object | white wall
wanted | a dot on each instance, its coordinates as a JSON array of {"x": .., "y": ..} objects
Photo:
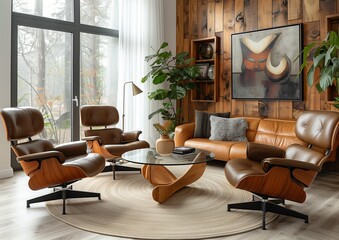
[
  {"x": 170, "y": 23},
  {"x": 5, "y": 63}
]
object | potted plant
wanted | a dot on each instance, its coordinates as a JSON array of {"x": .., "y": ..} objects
[
  {"x": 179, "y": 74},
  {"x": 164, "y": 145},
  {"x": 325, "y": 59}
]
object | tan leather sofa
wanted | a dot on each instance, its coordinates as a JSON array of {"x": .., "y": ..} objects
[{"x": 274, "y": 132}]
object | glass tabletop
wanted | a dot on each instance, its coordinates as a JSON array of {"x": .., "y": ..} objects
[{"x": 150, "y": 157}]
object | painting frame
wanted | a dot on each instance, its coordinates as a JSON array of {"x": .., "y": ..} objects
[{"x": 265, "y": 64}]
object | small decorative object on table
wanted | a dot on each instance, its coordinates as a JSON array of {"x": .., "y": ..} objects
[
  {"x": 183, "y": 150},
  {"x": 164, "y": 145}
]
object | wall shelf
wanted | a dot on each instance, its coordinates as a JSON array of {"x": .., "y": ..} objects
[{"x": 206, "y": 51}]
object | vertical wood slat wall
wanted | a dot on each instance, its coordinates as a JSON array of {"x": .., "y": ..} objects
[{"x": 205, "y": 18}]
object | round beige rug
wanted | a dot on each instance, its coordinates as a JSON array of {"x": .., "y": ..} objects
[{"x": 128, "y": 210}]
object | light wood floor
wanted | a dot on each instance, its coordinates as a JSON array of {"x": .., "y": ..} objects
[{"x": 17, "y": 222}]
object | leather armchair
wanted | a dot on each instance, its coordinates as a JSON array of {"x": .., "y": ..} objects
[
  {"x": 274, "y": 175},
  {"x": 110, "y": 142},
  {"x": 45, "y": 165}
]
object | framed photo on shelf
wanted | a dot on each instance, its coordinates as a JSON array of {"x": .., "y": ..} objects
[
  {"x": 265, "y": 64},
  {"x": 203, "y": 68}
]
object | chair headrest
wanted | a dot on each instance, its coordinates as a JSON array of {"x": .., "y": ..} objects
[
  {"x": 318, "y": 128},
  {"x": 23, "y": 122},
  {"x": 99, "y": 115}
]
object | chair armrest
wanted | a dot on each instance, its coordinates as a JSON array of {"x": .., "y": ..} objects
[
  {"x": 258, "y": 151},
  {"x": 42, "y": 156},
  {"x": 182, "y": 133},
  {"x": 130, "y": 136},
  {"x": 72, "y": 148},
  {"x": 268, "y": 163}
]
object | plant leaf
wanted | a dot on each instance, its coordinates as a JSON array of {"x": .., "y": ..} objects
[
  {"x": 310, "y": 76},
  {"x": 159, "y": 94},
  {"x": 159, "y": 78},
  {"x": 144, "y": 79},
  {"x": 318, "y": 60},
  {"x": 154, "y": 113}
]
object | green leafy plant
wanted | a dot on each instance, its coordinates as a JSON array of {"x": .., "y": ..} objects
[
  {"x": 179, "y": 74},
  {"x": 325, "y": 59},
  {"x": 162, "y": 130}
]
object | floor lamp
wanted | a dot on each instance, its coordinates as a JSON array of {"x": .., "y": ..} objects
[{"x": 136, "y": 91}]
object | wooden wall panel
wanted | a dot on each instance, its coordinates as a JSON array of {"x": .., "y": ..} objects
[
  {"x": 180, "y": 25},
  {"x": 279, "y": 13},
  {"x": 193, "y": 18},
  {"x": 294, "y": 10},
  {"x": 186, "y": 18},
  {"x": 219, "y": 16},
  {"x": 310, "y": 10},
  {"x": 251, "y": 15},
  {"x": 210, "y": 19},
  {"x": 265, "y": 14},
  {"x": 311, "y": 32},
  {"x": 239, "y": 16},
  {"x": 202, "y": 19}
]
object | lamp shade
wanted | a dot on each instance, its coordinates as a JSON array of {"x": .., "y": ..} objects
[{"x": 135, "y": 89}]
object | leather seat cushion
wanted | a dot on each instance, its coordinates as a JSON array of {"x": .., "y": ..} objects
[
  {"x": 237, "y": 169},
  {"x": 91, "y": 164},
  {"x": 222, "y": 149}
]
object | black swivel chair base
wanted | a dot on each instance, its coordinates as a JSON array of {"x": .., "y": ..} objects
[
  {"x": 266, "y": 205},
  {"x": 63, "y": 193},
  {"x": 115, "y": 166}
]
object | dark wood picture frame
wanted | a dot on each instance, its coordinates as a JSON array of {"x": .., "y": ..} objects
[{"x": 265, "y": 64}]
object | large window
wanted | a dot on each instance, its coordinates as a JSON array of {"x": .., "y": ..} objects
[{"x": 64, "y": 55}]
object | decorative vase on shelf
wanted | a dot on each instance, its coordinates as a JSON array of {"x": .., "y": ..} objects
[{"x": 164, "y": 145}]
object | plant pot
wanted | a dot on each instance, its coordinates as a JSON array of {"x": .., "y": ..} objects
[{"x": 164, "y": 145}]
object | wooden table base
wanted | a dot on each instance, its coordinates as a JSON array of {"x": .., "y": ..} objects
[{"x": 165, "y": 183}]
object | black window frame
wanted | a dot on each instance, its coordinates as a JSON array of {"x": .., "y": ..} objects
[{"x": 75, "y": 28}]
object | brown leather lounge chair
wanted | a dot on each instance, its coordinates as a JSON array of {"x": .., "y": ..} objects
[
  {"x": 270, "y": 172},
  {"x": 48, "y": 166},
  {"x": 108, "y": 141}
]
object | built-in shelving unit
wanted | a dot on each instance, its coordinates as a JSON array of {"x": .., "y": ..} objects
[{"x": 205, "y": 51}]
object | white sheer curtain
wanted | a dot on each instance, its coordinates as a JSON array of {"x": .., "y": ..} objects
[{"x": 141, "y": 29}]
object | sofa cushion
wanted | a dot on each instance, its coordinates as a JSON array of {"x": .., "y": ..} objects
[
  {"x": 221, "y": 149},
  {"x": 228, "y": 129},
  {"x": 202, "y": 123},
  {"x": 277, "y": 132}
]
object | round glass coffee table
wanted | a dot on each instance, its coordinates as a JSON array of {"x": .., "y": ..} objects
[{"x": 164, "y": 181}]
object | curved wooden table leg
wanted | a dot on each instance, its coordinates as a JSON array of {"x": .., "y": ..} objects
[{"x": 166, "y": 184}]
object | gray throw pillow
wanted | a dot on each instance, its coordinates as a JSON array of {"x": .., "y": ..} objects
[
  {"x": 228, "y": 129},
  {"x": 203, "y": 125}
]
